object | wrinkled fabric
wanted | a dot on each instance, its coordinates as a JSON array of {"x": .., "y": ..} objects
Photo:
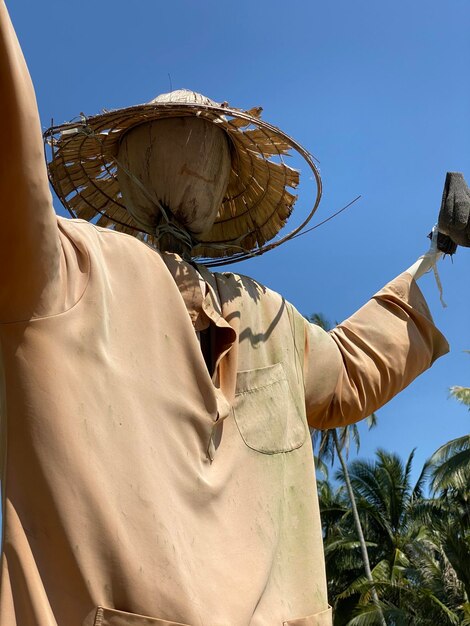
[
  {"x": 143, "y": 483},
  {"x": 138, "y": 482}
]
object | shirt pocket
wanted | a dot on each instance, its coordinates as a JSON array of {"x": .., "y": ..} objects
[
  {"x": 111, "y": 617},
  {"x": 265, "y": 411},
  {"x": 325, "y": 618}
]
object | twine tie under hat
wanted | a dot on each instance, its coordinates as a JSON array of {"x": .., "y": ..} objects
[{"x": 258, "y": 200}]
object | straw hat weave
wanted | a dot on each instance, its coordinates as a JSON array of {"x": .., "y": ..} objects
[{"x": 258, "y": 200}]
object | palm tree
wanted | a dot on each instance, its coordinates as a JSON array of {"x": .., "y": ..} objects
[
  {"x": 418, "y": 546},
  {"x": 450, "y": 465},
  {"x": 462, "y": 394},
  {"x": 341, "y": 546},
  {"x": 449, "y": 510},
  {"x": 451, "y": 462},
  {"x": 421, "y": 548},
  {"x": 332, "y": 442},
  {"x": 385, "y": 499},
  {"x": 384, "y": 496}
]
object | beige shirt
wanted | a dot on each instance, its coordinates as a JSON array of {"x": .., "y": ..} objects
[
  {"x": 138, "y": 488},
  {"x": 135, "y": 481}
]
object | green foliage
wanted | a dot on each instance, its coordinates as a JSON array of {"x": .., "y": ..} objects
[
  {"x": 419, "y": 547},
  {"x": 395, "y": 555},
  {"x": 450, "y": 465},
  {"x": 462, "y": 394}
]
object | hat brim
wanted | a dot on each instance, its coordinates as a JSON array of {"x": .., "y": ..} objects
[{"x": 258, "y": 200}]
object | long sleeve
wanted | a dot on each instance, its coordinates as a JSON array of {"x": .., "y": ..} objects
[
  {"x": 29, "y": 245},
  {"x": 365, "y": 361}
]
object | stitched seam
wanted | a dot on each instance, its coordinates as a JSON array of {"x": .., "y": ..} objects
[
  {"x": 255, "y": 389},
  {"x": 99, "y": 617},
  {"x": 252, "y": 445}
]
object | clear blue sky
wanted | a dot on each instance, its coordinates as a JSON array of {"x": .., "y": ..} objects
[{"x": 379, "y": 92}]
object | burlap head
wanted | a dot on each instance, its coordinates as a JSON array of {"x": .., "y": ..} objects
[{"x": 259, "y": 197}]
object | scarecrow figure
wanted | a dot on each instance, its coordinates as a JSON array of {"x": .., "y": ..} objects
[{"x": 157, "y": 464}]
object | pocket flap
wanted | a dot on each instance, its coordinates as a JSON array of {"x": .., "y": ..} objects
[
  {"x": 325, "y": 618},
  {"x": 265, "y": 411},
  {"x": 111, "y": 617}
]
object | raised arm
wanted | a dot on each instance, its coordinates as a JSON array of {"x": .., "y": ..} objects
[
  {"x": 29, "y": 247},
  {"x": 365, "y": 361}
]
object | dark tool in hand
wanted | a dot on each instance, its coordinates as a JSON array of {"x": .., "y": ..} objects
[{"x": 454, "y": 215}]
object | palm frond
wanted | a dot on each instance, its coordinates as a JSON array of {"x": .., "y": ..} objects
[
  {"x": 453, "y": 470},
  {"x": 462, "y": 394},
  {"x": 372, "y": 421},
  {"x": 449, "y": 449},
  {"x": 319, "y": 320},
  {"x": 418, "y": 490}
]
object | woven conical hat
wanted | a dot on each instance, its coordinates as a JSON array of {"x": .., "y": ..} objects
[{"x": 259, "y": 197}]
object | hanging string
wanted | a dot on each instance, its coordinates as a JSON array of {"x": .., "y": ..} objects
[
  {"x": 330, "y": 217},
  {"x": 437, "y": 278}
]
